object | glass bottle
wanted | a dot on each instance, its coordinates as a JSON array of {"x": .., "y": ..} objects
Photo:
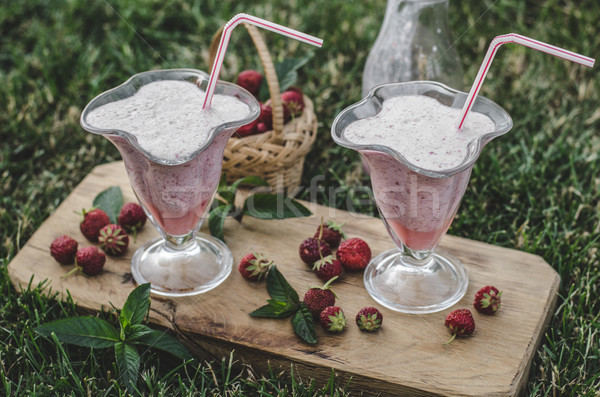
[{"x": 414, "y": 43}]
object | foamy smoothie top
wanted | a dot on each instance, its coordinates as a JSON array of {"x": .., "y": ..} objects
[
  {"x": 422, "y": 130},
  {"x": 167, "y": 117}
]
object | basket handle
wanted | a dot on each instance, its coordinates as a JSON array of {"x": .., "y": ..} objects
[{"x": 270, "y": 74}]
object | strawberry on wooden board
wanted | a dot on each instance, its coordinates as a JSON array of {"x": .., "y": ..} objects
[
  {"x": 93, "y": 221},
  {"x": 63, "y": 249},
  {"x": 354, "y": 254}
]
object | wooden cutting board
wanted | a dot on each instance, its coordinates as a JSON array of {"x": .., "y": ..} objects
[{"x": 406, "y": 356}]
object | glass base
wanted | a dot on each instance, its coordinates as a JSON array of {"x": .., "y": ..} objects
[
  {"x": 399, "y": 285},
  {"x": 200, "y": 266}
]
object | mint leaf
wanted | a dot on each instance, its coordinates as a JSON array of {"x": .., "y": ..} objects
[
  {"x": 216, "y": 220},
  {"x": 110, "y": 201},
  {"x": 137, "y": 331},
  {"x": 250, "y": 180},
  {"x": 275, "y": 309},
  {"x": 165, "y": 342},
  {"x": 227, "y": 193},
  {"x": 279, "y": 289},
  {"x": 287, "y": 74},
  {"x": 128, "y": 363},
  {"x": 82, "y": 331},
  {"x": 274, "y": 206},
  {"x": 303, "y": 325},
  {"x": 136, "y": 306}
]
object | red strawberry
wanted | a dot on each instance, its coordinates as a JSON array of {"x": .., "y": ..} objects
[
  {"x": 354, "y": 254},
  {"x": 332, "y": 319},
  {"x": 63, "y": 249},
  {"x": 331, "y": 232},
  {"x": 286, "y": 113},
  {"x": 460, "y": 322},
  {"x": 93, "y": 221},
  {"x": 261, "y": 127},
  {"x": 132, "y": 217},
  {"x": 266, "y": 115},
  {"x": 113, "y": 239},
  {"x": 247, "y": 129},
  {"x": 254, "y": 266},
  {"x": 312, "y": 249},
  {"x": 293, "y": 100},
  {"x": 487, "y": 300},
  {"x": 318, "y": 298},
  {"x": 250, "y": 80},
  {"x": 327, "y": 268},
  {"x": 369, "y": 319},
  {"x": 89, "y": 260}
]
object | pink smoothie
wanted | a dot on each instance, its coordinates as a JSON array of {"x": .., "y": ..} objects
[
  {"x": 417, "y": 208},
  {"x": 166, "y": 117}
]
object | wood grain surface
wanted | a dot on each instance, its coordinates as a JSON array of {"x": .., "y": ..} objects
[{"x": 405, "y": 357}]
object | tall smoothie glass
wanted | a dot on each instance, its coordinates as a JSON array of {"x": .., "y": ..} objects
[
  {"x": 176, "y": 193},
  {"x": 417, "y": 205}
]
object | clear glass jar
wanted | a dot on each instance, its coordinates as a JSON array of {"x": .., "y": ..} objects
[{"x": 414, "y": 43}]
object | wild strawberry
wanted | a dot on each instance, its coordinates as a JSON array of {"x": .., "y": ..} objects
[
  {"x": 327, "y": 267},
  {"x": 248, "y": 129},
  {"x": 460, "y": 322},
  {"x": 369, "y": 319},
  {"x": 331, "y": 232},
  {"x": 93, "y": 221},
  {"x": 293, "y": 100},
  {"x": 286, "y": 113},
  {"x": 63, "y": 249},
  {"x": 266, "y": 115},
  {"x": 487, "y": 300},
  {"x": 89, "y": 260},
  {"x": 132, "y": 217},
  {"x": 254, "y": 266},
  {"x": 354, "y": 254},
  {"x": 261, "y": 127},
  {"x": 318, "y": 298},
  {"x": 312, "y": 249},
  {"x": 332, "y": 319},
  {"x": 113, "y": 239},
  {"x": 250, "y": 80}
]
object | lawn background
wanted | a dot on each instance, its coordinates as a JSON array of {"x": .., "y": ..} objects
[{"x": 535, "y": 189}]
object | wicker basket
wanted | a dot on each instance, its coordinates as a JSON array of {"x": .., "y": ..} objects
[{"x": 277, "y": 155}]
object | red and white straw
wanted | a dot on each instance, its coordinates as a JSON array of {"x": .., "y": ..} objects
[
  {"x": 261, "y": 23},
  {"x": 519, "y": 39}
]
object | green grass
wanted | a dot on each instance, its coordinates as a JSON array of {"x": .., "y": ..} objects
[{"x": 536, "y": 189}]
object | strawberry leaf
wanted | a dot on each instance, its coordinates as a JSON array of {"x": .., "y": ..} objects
[
  {"x": 250, "y": 180},
  {"x": 279, "y": 289},
  {"x": 274, "y": 206},
  {"x": 128, "y": 363},
  {"x": 303, "y": 325},
  {"x": 136, "y": 307},
  {"x": 82, "y": 331},
  {"x": 110, "y": 201}
]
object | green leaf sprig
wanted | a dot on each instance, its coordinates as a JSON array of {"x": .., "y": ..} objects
[
  {"x": 98, "y": 333},
  {"x": 258, "y": 205},
  {"x": 287, "y": 74},
  {"x": 110, "y": 201},
  {"x": 284, "y": 303}
]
